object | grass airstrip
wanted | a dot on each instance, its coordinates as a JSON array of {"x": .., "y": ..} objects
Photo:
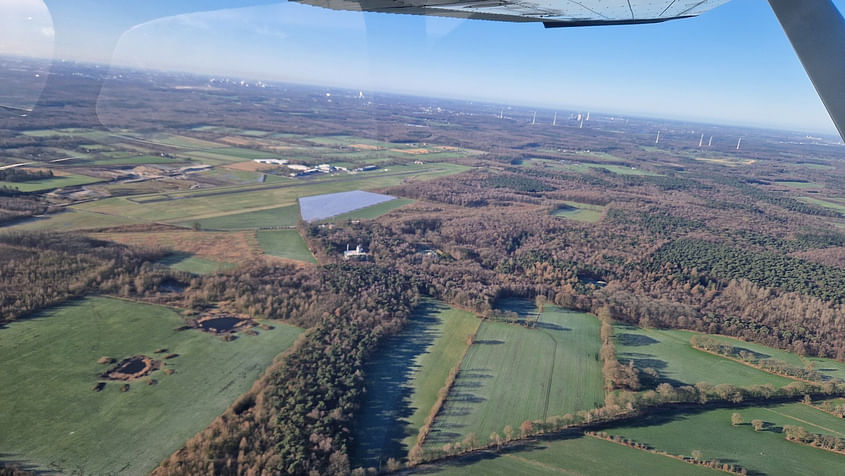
[{"x": 52, "y": 419}]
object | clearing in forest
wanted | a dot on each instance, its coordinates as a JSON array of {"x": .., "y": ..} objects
[
  {"x": 513, "y": 373},
  {"x": 578, "y": 211},
  {"x": 58, "y": 415}
]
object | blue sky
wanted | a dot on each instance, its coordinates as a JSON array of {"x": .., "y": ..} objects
[{"x": 733, "y": 64}]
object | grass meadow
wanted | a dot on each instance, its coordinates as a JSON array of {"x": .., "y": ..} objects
[
  {"x": 194, "y": 264},
  {"x": 287, "y": 215},
  {"x": 583, "y": 212},
  {"x": 57, "y": 181},
  {"x": 52, "y": 419},
  {"x": 575, "y": 456},
  {"x": 670, "y": 353},
  {"x": 403, "y": 379},
  {"x": 285, "y": 244},
  {"x": 512, "y": 374},
  {"x": 761, "y": 452},
  {"x": 827, "y": 367}
]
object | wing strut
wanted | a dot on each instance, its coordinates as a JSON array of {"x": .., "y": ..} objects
[{"x": 816, "y": 30}]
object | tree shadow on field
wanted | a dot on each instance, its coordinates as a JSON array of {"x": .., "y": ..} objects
[
  {"x": 9, "y": 460},
  {"x": 635, "y": 340},
  {"x": 552, "y": 327},
  {"x": 386, "y": 406},
  {"x": 644, "y": 361}
]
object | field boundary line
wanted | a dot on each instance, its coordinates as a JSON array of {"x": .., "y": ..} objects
[
  {"x": 812, "y": 405},
  {"x": 816, "y": 447},
  {"x": 654, "y": 451},
  {"x": 749, "y": 364},
  {"x": 804, "y": 421},
  {"x": 551, "y": 374}
]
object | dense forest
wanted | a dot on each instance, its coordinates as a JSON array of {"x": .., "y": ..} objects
[{"x": 42, "y": 269}]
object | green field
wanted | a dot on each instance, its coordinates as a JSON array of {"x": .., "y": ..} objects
[
  {"x": 583, "y": 212},
  {"x": 827, "y": 367},
  {"x": 839, "y": 207},
  {"x": 137, "y": 160},
  {"x": 50, "y": 183},
  {"x": 600, "y": 156},
  {"x": 287, "y": 215},
  {"x": 670, "y": 353},
  {"x": 576, "y": 456},
  {"x": 762, "y": 452},
  {"x": 793, "y": 184},
  {"x": 90, "y": 134},
  {"x": 617, "y": 169},
  {"x": 285, "y": 244},
  {"x": 194, "y": 264},
  {"x": 512, "y": 374},
  {"x": 52, "y": 417},
  {"x": 70, "y": 220},
  {"x": 403, "y": 379},
  {"x": 371, "y": 212}
]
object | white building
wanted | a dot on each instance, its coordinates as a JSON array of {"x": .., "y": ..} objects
[{"x": 357, "y": 253}]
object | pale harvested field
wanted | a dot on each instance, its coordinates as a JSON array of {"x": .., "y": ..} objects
[
  {"x": 228, "y": 247},
  {"x": 249, "y": 166},
  {"x": 364, "y": 147},
  {"x": 412, "y": 151}
]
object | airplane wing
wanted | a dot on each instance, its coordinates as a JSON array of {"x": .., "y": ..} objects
[{"x": 552, "y": 13}]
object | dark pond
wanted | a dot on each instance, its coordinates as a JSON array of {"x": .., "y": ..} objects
[
  {"x": 220, "y": 324},
  {"x": 131, "y": 367}
]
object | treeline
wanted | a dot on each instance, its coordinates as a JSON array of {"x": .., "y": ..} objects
[
  {"x": 17, "y": 174},
  {"x": 298, "y": 419},
  {"x": 825, "y": 442},
  {"x": 763, "y": 268},
  {"x": 519, "y": 183},
  {"x": 694, "y": 458},
  {"x": 774, "y": 366},
  {"x": 14, "y": 206},
  {"x": 43, "y": 269}
]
